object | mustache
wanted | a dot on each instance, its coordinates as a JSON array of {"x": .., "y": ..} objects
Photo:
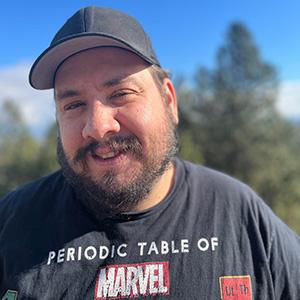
[{"x": 123, "y": 144}]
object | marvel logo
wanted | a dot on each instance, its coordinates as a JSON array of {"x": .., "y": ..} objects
[{"x": 133, "y": 280}]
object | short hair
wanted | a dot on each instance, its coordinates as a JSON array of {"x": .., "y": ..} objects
[{"x": 159, "y": 75}]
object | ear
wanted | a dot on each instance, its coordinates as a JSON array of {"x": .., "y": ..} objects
[{"x": 171, "y": 98}]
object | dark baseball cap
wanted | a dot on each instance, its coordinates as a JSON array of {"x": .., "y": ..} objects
[{"x": 90, "y": 27}]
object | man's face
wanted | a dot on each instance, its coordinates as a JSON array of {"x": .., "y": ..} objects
[{"x": 117, "y": 128}]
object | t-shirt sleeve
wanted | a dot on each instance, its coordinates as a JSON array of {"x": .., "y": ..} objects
[
  {"x": 285, "y": 262},
  {"x": 283, "y": 252},
  {"x": 280, "y": 244}
]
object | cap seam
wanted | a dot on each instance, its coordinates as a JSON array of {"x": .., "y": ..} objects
[{"x": 84, "y": 20}]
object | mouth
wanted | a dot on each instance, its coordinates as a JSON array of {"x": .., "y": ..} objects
[
  {"x": 108, "y": 156},
  {"x": 110, "y": 150}
]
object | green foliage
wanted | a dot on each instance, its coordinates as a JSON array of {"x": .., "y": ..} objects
[
  {"x": 236, "y": 128},
  {"x": 228, "y": 121},
  {"x": 22, "y": 158},
  {"x": 46, "y": 159},
  {"x": 189, "y": 150}
]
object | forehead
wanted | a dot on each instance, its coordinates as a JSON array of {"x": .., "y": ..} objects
[{"x": 101, "y": 63}]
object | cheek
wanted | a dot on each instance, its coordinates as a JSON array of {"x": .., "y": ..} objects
[
  {"x": 70, "y": 135},
  {"x": 137, "y": 120},
  {"x": 145, "y": 122}
]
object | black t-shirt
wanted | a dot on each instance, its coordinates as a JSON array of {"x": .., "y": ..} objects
[{"x": 211, "y": 238}]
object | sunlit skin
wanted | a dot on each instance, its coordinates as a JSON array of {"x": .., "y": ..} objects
[{"x": 104, "y": 92}]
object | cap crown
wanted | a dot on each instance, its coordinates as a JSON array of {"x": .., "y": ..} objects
[{"x": 88, "y": 28}]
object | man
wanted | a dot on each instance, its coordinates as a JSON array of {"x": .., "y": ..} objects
[{"x": 125, "y": 218}]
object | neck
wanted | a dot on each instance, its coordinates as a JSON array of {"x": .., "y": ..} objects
[{"x": 160, "y": 190}]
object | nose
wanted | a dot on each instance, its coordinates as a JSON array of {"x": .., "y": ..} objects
[{"x": 100, "y": 122}]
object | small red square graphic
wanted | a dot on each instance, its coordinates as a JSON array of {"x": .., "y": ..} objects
[{"x": 236, "y": 287}]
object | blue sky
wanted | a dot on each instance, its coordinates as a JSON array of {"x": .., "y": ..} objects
[{"x": 185, "y": 34}]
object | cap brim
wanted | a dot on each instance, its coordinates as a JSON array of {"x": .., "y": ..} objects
[{"x": 43, "y": 71}]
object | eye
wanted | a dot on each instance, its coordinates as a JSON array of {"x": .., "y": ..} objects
[
  {"x": 122, "y": 96},
  {"x": 73, "y": 105},
  {"x": 121, "y": 93}
]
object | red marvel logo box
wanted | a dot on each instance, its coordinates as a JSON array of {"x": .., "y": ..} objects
[{"x": 133, "y": 280}]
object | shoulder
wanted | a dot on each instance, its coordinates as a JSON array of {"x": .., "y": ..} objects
[
  {"x": 216, "y": 182},
  {"x": 40, "y": 185},
  {"x": 30, "y": 195},
  {"x": 239, "y": 201},
  {"x": 233, "y": 197},
  {"x": 242, "y": 214}
]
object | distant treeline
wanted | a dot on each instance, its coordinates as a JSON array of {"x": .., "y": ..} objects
[{"x": 229, "y": 122}]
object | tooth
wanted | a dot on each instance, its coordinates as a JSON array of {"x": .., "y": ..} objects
[{"x": 107, "y": 155}]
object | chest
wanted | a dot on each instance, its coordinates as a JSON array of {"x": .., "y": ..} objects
[{"x": 174, "y": 258}]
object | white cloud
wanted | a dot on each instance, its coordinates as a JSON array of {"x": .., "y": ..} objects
[
  {"x": 37, "y": 107},
  {"x": 289, "y": 99}
]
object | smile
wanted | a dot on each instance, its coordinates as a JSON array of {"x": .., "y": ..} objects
[{"x": 107, "y": 155}]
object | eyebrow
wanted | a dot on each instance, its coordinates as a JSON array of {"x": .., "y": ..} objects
[
  {"x": 118, "y": 80},
  {"x": 110, "y": 83},
  {"x": 66, "y": 94}
]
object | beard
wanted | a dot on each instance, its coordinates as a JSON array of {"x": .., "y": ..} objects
[{"x": 105, "y": 197}]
